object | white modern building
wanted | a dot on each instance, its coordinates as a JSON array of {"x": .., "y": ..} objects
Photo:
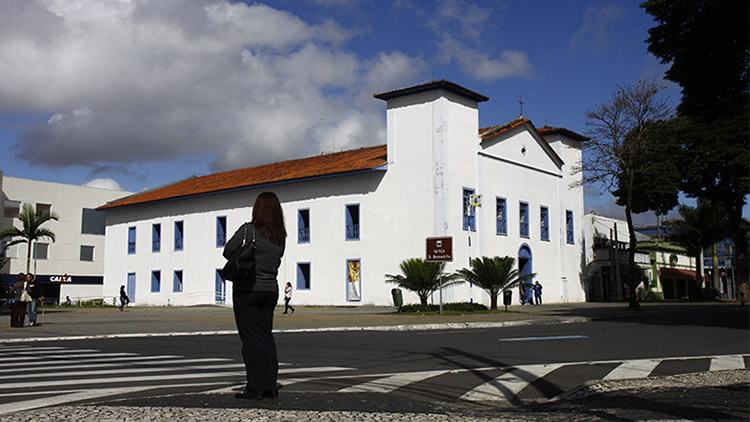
[
  {"x": 73, "y": 265},
  {"x": 353, "y": 216}
]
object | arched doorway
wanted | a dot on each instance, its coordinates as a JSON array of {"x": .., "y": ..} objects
[{"x": 525, "y": 292}]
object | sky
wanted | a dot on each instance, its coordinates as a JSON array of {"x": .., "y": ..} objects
[{"x": 136, "y": 94}]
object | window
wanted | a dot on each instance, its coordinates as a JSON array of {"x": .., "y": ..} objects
[
  {"x": 221, "y": 231},
  {"x": 93, "y": 221},
  {"x": 502, "y": 216},
  {"x": 569, "y": 227},
  {"x": 41, "y": 250},
  {"x": 11, "y": 209},
  {"x": 42, "y": 208},
  {"x": 177, "y": 282},
  {"x": 7, "y": 251},
  {"x": 352, "y": 222},
  {"x": 468, "y": 211},
  {"x": 220, "y": 288},
  {"x": 131, "y": 240},
  {"x": 303, "y": 226},
  {"x": 178, "y": 235},
  {"x": 155, "y": 281},
  {"x": 303, "y": 276},
  {"x": 87, "y": 253},
  {"x": 353, "y": 280},
  {"x": 523, "y": 219},
  {"x": 544, "y": 223},
  {"x": 156, "y": 238}
]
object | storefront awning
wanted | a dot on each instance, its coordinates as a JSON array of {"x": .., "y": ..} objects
[{"x": 677, "y": 273}]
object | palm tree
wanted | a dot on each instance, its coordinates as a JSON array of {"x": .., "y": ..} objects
[
  {"x": 422, "y": 277},
  {"x": 494, "y": 275},
  {"x": 31, "y": 231}
]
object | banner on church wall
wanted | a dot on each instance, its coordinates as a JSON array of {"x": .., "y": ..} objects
[{"x": 353, "y": 281}]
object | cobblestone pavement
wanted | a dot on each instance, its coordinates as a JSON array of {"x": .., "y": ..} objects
[{"x": 702, "y": 396}]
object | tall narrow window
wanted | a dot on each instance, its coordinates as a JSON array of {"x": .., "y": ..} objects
[
  {"x": 155, "y": 281},
  {"x": 303, "y": 226},
  {"x": 569, "y": 227},
  {"x": 156, "y": 238},
  {"x": 220, "y": 288},
  {"x": 303, "y": 276},
  {"x": 131, "y": 240},
  {"x": 544, "y": 223},
  {"x": 177, "y": 282},
  {"x": 353, "y": 280},
  {"x": 178, "y": 236},
  {"x": 502, "y": 216},
  {"x": 221, "y": 231},
  {"x": 468, "y": 211},
  {"x": 352, "y": 222},
  {"x": 131, "y": 287},
  {"x": 523, "y": 219}
]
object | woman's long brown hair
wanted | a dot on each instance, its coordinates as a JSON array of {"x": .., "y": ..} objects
[{"x": 268, "y": 218}]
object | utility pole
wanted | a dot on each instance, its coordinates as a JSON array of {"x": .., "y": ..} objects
[{"x": 616, "y": 257}]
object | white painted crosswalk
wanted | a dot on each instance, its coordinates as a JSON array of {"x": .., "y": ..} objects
[{"x": 57, "y": 375}]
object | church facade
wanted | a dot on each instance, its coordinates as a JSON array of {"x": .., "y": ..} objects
[{"x": 353, "y": 216}]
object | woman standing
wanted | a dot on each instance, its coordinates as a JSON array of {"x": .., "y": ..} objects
[
  {"x": 288, "y": 298},
  {"x": 255, "y": 300}
]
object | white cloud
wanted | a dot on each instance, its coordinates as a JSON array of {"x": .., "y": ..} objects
[
  {"x": 103, "y": 183},
  {"x": 466, "y": 14},
  {"x": 128, "y": 81},
  {"x": 598, "y": 21},
  {"x": 481, "y": 65}
]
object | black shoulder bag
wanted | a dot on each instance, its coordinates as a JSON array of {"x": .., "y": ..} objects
[{"x": 240, "y": 266}]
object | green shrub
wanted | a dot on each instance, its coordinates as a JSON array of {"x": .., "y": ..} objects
[{"x": 450, "y": 307}]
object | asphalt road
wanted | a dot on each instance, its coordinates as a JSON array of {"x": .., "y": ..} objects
[{"x": 416, "y": 371}]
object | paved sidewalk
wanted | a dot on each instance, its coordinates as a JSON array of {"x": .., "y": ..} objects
[{"x": 65, "y": 322}]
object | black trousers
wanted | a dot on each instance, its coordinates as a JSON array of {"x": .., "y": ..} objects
[
  {"x": 287, "y": 306},
  {"x": 253, "y": 313}
]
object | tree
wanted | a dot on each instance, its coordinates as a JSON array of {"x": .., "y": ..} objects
[
  {"x": 697, "y": 229},
  {"x": 493, "y": 275},
  {"x": 623, "y": 135},
  {"x": 706, "y": 46},
  {"x": 30, "y": 231},
  {"x": 422, "y": 277}
]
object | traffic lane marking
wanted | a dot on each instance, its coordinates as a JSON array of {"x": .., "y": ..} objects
[{"x": 538, "y": 338}]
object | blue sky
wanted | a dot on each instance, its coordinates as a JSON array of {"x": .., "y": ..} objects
[{"x": 151, "y": 93}]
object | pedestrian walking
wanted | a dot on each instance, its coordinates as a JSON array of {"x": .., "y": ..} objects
[
  {"x": 538, "y": 293},
  {"x": 288, "y": 298},
  {"x": 257, "y": 248},
  {"x": 33, "y": 289},
  {"x": 124, "y": 299},
  {"x": 18, "y": 308}
]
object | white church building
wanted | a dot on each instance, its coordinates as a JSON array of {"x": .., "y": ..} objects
[{"x": 353, "y": 216}]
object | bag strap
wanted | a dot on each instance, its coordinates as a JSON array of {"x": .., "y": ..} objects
[{"x": 244, "y": 236}]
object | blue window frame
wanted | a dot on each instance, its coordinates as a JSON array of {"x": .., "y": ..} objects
[
  {"x": 155, "y": 281},
  {"x": 501, "y": 209},
  {"x": 221, "y": 231},
  {"x": 468, "y": 211},
  {"x": 570, "y": 238},
  {"x": 220, "y": 288},
  {"x": 523, "y": 219},
  {"x": 303, "y": 226},
  {"x": 352, "y": 222},
  {"x": 131, "y": 287},
  {"x": 156, "y": 238},
  {"x": 131, "y": 240},
  {"x": 303, "y": 276},
  {"x": 178, "y": 236},
  {"x": 177, "y": 281},
  {"x": 544, "y": 223}
]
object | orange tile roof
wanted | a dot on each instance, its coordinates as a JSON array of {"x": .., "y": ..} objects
[
  {"x": 492, "y": 131},
  {"x": 362, "y": 159}
]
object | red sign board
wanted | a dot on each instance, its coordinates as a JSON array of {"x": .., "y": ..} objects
[{"x": 440, "y": 249}]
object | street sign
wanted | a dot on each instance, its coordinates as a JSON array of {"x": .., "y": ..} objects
[{"x": 439, "y": 249}]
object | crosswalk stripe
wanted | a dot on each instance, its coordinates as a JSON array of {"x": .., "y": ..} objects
[
  {"x": 720, "y": 363},
  {"x": 62, "y": 361},
  {"x": 510, "y": 383},
  {"x": 24, "y": 348},
  {"x": 114, "y": 365},
  {"x": 388, "y": 384},
  {"x": 83, "y": 355},
  {"x": 118, "y": 380},
  {"x": 42, "y": 352},
  {"x": 164, "y": 369},
  {"x": 639, "y": 368}
]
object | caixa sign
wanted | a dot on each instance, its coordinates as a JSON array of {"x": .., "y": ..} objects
[{"x": 60, "y": 278}]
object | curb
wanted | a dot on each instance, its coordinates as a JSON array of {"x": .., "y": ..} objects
[{"x": 406, "y": 327}]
